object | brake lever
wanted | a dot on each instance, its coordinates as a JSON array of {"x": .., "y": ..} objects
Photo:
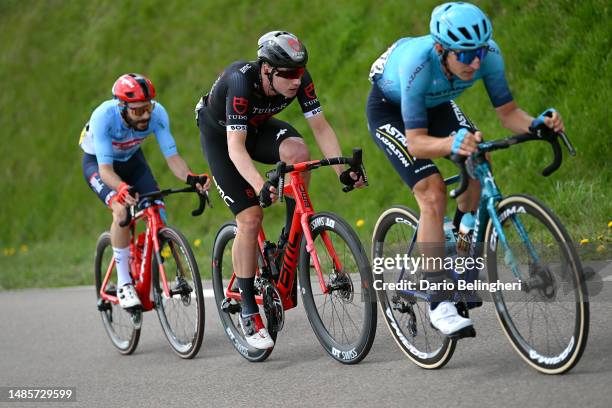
[{"x": 567, "y": 143}]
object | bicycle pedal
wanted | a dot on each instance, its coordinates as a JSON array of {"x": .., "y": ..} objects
[
  {"x": 103, "y": 305},
  {"x": 463, "y": 333},
  {"x": 228, "y": 307}
]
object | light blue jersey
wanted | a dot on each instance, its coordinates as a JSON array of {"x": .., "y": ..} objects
[
  {"x": 108, "y": 138},
  {"x": 410, "y": 74}
]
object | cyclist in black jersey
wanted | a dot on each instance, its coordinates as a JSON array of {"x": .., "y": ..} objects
[{"x": 237, "y": 126}]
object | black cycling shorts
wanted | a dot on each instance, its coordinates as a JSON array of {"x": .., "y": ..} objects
[
  {"x": 387, "y": 129},
  {"x": 135, "y": 172},
  {"x": 262, "y": 143}
]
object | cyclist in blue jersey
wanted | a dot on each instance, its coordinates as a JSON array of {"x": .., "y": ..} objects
[
  {"x": 113, "y": 161},
  {"x": 413, "y": 118}
]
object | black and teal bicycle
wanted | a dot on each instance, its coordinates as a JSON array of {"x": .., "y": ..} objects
[{"x": 521, "y": 243}]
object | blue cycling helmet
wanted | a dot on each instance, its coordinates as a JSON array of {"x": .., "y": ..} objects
[{"x": 460, "y": 26}]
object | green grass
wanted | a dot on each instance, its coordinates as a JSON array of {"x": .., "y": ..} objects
[{"x": 59, "y": 60}]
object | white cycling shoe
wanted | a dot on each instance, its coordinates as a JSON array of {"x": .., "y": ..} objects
[
  {"x": 128, "y": 297},
  {"x": 255, "y": 332},
  {"x": 446, "y": 319}
]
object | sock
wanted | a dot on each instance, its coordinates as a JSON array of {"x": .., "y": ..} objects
[
  {"x": 457, "y": 220},
  {"x": 247, "y": 292},
  {"x": 122, "y": 262},
  {"x": 438, "y": 296}
]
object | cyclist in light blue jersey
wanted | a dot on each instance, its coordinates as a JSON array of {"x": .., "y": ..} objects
[
  {"x": 413, "y": 118},
  {"x": 113, "y": 162}
]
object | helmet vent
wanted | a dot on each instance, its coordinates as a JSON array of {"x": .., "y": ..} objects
[
  {"x": 477, "y": 30},
  {"x": 453, "y": 36},
  {"x": 465, "y": 33},
  {"x": 484, "y": 24}
]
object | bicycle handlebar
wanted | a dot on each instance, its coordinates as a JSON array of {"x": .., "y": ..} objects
[
  {"x": 541, "y": 133},
  {"x": 144, "y": 198},
  {"x": 275, "y": 176}
]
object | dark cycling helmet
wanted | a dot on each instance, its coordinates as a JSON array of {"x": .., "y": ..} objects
[
  {"x": 282, "y": 49},
  {"x": 133, "y": 88},
  {"x": 460, "y": 26}
]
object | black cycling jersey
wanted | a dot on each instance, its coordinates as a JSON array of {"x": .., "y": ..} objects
[{"x": 237, "y": 101}]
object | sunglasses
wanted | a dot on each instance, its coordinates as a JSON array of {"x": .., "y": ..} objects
[
  {"x": 467, "y": 56},
  {"x": 295, "y": 73},
  {"x": 140, "y": 110}
]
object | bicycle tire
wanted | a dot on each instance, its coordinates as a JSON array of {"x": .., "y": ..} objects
[
  {"x": 222, "y": 263},
  {"x": 555, "y": 287},
  {"x": 116, "y": 321},
  {"x": 338, "y": 345},
  {"x": 423, "y": 345},
  {"x": 185, "y": 342}
]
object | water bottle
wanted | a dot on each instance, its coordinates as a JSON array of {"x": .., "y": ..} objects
[
  {"x": 464, "y": 237},
  {"x": 449, "y": 237}
]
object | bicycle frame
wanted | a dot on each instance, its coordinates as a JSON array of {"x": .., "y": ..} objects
[
  {"x": 296, "y": 189},
  {"x": 490, "y": 196},
  {"x": 141, "y": 272}
]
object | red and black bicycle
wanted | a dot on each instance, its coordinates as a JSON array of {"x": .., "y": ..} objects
[
  {"x": 166, "y": 278},
  {"x": 335, "y": 276}
]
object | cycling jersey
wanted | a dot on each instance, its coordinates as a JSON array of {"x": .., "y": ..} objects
[
  {"x": 108, "y": 137},
  {"x": 410, "y": 74},
  {"x": 237, "y": 101}
]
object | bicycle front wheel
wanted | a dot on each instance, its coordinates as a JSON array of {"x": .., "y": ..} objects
[
  {"x": 406, "y": 315},
  {"x": 547, "y": 320},
  {"x": 116, "y": 321},
  {"x": 344, "y": 318},
  {"x": 181, "y": 313},
  {"x": 229, "y": 309}
]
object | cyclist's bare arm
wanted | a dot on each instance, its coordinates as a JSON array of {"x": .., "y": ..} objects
[
  {"x": 517, "y": 120},
  {"x": 179, "y": 167},
  {"x": 326, "y": 138},
  {"x": 424, "y": 146},
  {"x": 236, "y": 146},
  {"x": 112, "y": 179},
  {"x": 513, "y": 118}
]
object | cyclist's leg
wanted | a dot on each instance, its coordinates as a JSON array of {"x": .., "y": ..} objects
[
  {"x": 277, "y": 140},
  {"x": 422, "y": 176},
  {"x": 120, "y": 237},
  {"x": 138, "y": 174},
  {"x": 240, "y": 197}
]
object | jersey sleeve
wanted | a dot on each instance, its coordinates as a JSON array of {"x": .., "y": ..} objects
[
  {"x": 237, "y": 102},
  {"x": 163, "y": 135},
  {"x": 414, "y": 79},
  {"x": 99, "y": 127},
  {"x": 307, "y": 97},
  {"x": 494, "y": 76}
]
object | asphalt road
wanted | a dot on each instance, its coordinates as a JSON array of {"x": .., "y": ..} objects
[{"x": 54, "y": 337}]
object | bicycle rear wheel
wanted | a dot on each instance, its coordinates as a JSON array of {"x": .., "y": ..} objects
[
  {"x": 344, "y": 319},
  {"x": 547, "y": 321},
  {"x": 229, "y": 309},
  {"x": 406, "y": 316},
  {"x": 116, "y": 321},
  {"x": 181, "y": 314}
]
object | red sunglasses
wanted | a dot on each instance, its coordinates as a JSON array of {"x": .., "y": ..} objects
[
  {"x": 139, "y": 111},
  {"x": 294, "y": 73}
]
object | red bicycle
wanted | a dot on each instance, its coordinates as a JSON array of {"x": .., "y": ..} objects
[
  {"x": 334, "y": 273},
  {"x": 166, "y": 279}
]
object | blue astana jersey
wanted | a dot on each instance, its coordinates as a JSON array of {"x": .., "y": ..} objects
[
  {"x": 410, "y": 74},
  {"x": 108, "y": 138}
]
